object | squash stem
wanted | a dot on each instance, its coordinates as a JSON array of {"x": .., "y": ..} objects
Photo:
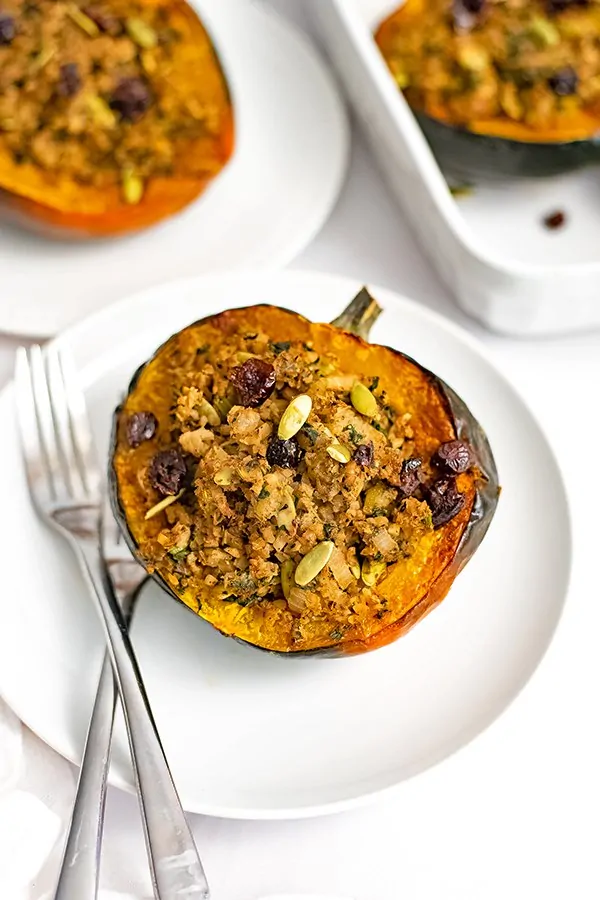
[{"x": 360, "y": 315}]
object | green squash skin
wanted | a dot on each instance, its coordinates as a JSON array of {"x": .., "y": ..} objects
[
  {"x": 471, "y": 157},
  {"x": 467, "y": 428}
]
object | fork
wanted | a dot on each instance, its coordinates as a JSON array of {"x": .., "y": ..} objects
[
  {"x": 65, "y": 486},
  {"x": 80, "y": 866}
]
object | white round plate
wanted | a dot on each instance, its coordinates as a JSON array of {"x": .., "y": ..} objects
[
  {"x": 250, "y": 735},
  {"x": 290, "y": 159}
]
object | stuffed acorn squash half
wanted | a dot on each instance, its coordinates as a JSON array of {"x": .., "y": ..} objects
[
  {"x": 500, "y": 87},
  {"x": 114, "y": 114},
  {"x": 299, "y": 488}
]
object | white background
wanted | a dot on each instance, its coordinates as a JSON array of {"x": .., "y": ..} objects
[{"x": 516, "y": 813}]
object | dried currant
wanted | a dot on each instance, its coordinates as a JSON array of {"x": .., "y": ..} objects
[
  {"x": 465, "y": 12},
  {"x": 409, "y": 476},
  {"x": 131, "y": 98},
  {"x": 69, "y": 80},
  {"x": 364, "y": 454},
  {"x": 141, "y": 426},
  {"x": 106, "y": 22},
  {"x": 254, "y": 381},
  {"x": 7, "y": 29},
  {"x": 444, "y": 500},
  {"x": 564, "y": 82},
  {"x": 555, "y": 220},
  {"x": 558, "y": 6},
  {"x": 167, "y": 472},
  {"x": 286, "y": 454},
  {"x": 454, "y": 457}
]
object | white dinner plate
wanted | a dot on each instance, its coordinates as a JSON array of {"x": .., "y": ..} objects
[
  {"x": 256, "y": 736},
  {"x": 292, "y": 144}
]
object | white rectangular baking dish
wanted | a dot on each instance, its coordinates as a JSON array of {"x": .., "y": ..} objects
[{"x": 491, "y": 248}]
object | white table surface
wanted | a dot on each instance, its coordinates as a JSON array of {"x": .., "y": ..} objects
[{"x": 516, "y": 813}]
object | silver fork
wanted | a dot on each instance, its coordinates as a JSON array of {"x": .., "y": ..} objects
[
  {"x": 65, "y": 486},
  {"x": 80, "y": 866}
]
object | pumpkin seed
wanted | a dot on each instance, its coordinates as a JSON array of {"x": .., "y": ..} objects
[
  {"x": 224, "y": 476},
  {"x": 340, "y": 453},
  {"x": 294, "y": 417},
  {"x": 207, "y": 409},
  {"x": 82, "y": 21},
  {"x": 141, "y": 33},
  {"x": 162, "y": 504},
  {"x": 286, "y": 516},
  {"x": 543, "y": 32},
  {"x": 287, "y": 577},
  {"x": 313, "y": 563},
  {"x": 473, "y": 58},
  {"x": 377, "y": 497},
  {"x": 133, "y": 188},
  {"x": 372, "y": 571},
  {"x": 223, "y": 405},
  {"x": 43, "y": 58},
  {"x": 149, "y": 63},
  {"x": 363, "y": 400},
  {"x": 243, "y": 356},
  {"x": 100, "y": 111}
]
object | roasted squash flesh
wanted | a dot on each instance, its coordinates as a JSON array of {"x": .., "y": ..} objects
[{"x": 295, "y": 486}]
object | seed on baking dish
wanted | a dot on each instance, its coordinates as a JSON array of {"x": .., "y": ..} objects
[{"x": 372, "y": 571}]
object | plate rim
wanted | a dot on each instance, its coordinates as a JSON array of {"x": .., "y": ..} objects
[
  {"x": 465, "y": 338},
  {"x": 279, "y": 260}
]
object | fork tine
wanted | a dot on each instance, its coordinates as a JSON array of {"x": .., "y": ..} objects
[
  {"x": 62, "y": 425},
  {"x": 45, "y": 423},
  {"x": 81, "y": 433},
  {"x": 33, "y": 453}
]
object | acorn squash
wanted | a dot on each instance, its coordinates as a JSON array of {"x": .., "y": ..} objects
[
  {"x": 302, "y": 490},
  {"x": 500, "y": 89},
  {"x": 114, "y": 114}
]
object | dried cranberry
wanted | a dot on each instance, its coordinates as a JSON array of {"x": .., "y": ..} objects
[
  {"x": 364, "y": 454},
  {"x": 254, "y": 381},
  {"x": 444, "y": 501},
  {"x": 286, "y": 454},
  {"x": 555, "y": 220},
  {"x": 558, "y": 6},
  {"x": 167, "y": 472},
  {"x": 564, "y": 82},
  {"x": 69, "y": 82},
  {"x": 131, "y": 98},
  {"x": 465, "y": 12},
  {"x": 106, "y": 22},
  {"x": 454, "y": 457},
  {"x": 7, "y": 29},
  {"x": 409, "y": 476},
  {"x": 141, "y": 426}
]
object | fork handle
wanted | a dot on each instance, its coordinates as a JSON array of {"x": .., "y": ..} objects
[
  {"x": 175, "y": 866},
  {"x": 79, "y": 871}
]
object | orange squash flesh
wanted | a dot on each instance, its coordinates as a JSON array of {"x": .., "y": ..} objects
[
  {"x": 58, "y": 206},
  {"x": 412, "y": 587}
]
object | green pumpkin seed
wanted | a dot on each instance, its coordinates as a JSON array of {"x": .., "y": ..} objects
[
  {"x": 133, "y": 188},
  {"x": 313, "y": 563},
  {"x": 543, "y": 32},
  {"x": 223, "y": 405},
  {"x": 287, "y": 577},
  {"x": 82, "y": 21},
  {"x": 286, "y": 516},
  {"x": 224, "y": 476},
  {"x": 294, "y": 417},
  {"x": 372, "y": 571},
  {"x": 363, "y": 400},
  {"x": 340, "y": 453},
  {"x": 207, "y": 409},
  {"x": 141, "y": 33},
  {"x": 100, "y": 111},
  {"x": 162, "y": 504}
]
